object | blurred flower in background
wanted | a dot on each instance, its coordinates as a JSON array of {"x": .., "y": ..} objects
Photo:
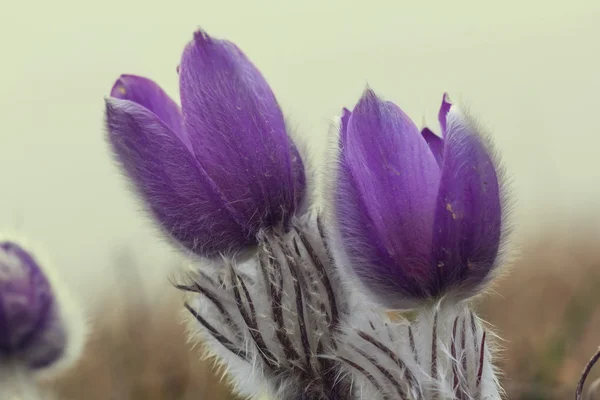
[{"x": 40, "y": 331}]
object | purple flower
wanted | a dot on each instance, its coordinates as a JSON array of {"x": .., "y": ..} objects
[
  {"x": 419, "y": 215},
  {"x": 220, "y": 169},
  {"x": 31, "y": 329}
]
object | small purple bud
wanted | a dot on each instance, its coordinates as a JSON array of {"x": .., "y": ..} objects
[
  {"x": 223, "y": 167},
  {"x": 419, "y": 216},
  {"x": 32, "y": 332}
]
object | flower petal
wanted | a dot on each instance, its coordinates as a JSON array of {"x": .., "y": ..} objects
[
  {"x": 388, "y": 182},
  {"x": 185, "y": 200},
  {"x": 468, "y": 216},
  {"x": 238, "y": 132},
  {"x": 443, "y": 113},
  {"x": 147, "y": 93},
  {"x": 436, "y": 144}
]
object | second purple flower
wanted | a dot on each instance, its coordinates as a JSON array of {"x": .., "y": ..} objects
[{"x": 420, "y": 216}]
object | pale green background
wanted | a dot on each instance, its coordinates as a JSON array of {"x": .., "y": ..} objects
[{"x": 528, "y": 69}]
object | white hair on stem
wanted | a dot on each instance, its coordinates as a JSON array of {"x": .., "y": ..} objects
[{"x": 282, "y": 323}]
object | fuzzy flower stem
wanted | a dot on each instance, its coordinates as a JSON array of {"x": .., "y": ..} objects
[
  {"x": 282, "y": 307},
  {"x": 434, "y": 348},
  {"x": 366, "y": 374},
  {"x": 386, "y": 373},
  {"x": 481, "y": 359},
  {"x": 218, "y": 336}
]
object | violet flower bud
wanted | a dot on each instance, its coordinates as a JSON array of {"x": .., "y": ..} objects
[
  {"x": 419, "y": 216},
  {"x": 34, "y": 331},
  {"x": 220, "y": 170}
]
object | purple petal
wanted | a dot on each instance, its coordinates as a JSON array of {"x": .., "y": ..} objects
[
  {"x": 344, "y": 123},
  {"x": 148, "y": 94},
  {"x": 185, "y": 200},
  {"x": 443, "y": 113},
  {"x": 238, "y": 132},
  {"x": 436, "y": 144},
  {"x": 388, "y": 182},
  {"x": 30, "y": 327},
  {"x": 468, "y": 215}
]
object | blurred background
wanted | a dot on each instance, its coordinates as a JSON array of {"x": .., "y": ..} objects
[{"x": 528, "y": 70}]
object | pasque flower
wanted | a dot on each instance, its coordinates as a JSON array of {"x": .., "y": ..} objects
[
  {"x": 420, "y": 216},
  {"x": 220, "y": 169},
  {"x": 32, "y": 331}
]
